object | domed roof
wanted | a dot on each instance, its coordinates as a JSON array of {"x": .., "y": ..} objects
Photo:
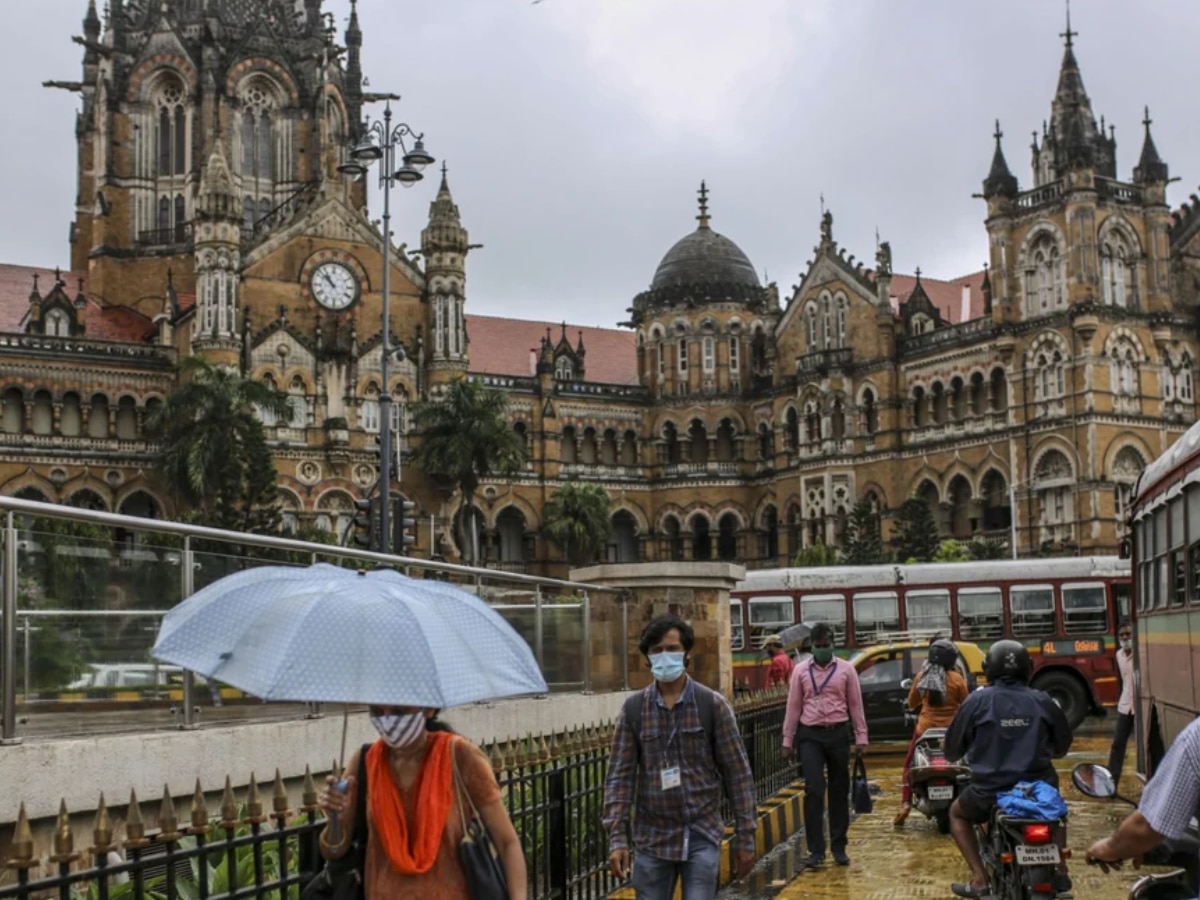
[{"x": 705, "y": 257}]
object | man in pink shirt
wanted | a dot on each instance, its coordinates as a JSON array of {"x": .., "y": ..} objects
[{"x": 824, "y": 715}]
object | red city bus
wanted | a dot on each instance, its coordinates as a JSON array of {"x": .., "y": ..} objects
[
  {"x": 1165, "y": 519},
  {"x": 1065, "y": 611}
]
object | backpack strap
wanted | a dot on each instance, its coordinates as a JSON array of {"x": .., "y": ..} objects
[
  {"x": 632, "y": 711},
  {"x": 706, "y": 711}
]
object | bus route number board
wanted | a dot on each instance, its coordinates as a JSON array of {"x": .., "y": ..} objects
[{"x": 1073, "y": 648}]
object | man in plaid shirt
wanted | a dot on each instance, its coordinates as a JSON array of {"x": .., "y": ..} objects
[
  {"x": 674, "y": 771},
  {"x": 1169, "y": 807}
]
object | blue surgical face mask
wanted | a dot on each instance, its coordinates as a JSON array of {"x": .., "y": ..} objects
[{"x": 667, "y": 667}]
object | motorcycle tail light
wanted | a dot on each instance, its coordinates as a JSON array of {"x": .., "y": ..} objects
[
  {"x": 1037, "y": 834},
  {"x": 1043, "y": 889}
]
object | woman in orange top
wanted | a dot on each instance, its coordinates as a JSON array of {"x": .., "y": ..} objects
[
  {"x": 414, "y": 824},
  {"x": 938, "y": 691}
]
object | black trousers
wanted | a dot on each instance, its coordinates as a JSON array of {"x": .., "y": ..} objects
[
  {"x": 825, "y": 758},
  {"x": 1116, "y": 756}
]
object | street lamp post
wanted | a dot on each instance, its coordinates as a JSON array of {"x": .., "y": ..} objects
[{"x": 379, "y": 144}]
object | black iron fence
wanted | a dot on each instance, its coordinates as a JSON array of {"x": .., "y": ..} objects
[{"x": 553, "y": 787}]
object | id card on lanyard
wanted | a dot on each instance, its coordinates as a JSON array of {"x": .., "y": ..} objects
[
  {"x": 671, "y": 776},
  {"x": 824, "y": 684}
]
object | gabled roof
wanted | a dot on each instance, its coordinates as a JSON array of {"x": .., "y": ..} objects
[
  {"x": 500, "y": 346},
  {"x": 946, "y": 295},
  {"x": 101, "y": 323}
]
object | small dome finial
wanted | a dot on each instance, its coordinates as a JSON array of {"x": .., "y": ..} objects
[{"x": 704, "y": 218}]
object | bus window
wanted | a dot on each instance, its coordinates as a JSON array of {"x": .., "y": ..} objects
[
  {"x": 1194, "y": 591},
  {"x": 828, "y": 608},
  {"x": 1032, "y": 610},
  {"x": 980, "y": 614},
  {"x": 1085, "y": 609},
  {"x": 875, "y": 614},
  {"x": 737, "y": 632},
  {"x": 769, "y": 615},
  {"x": 928, "y": 611},
  {"x": 1124, "y": 606},
  {"x": 1178, "y": 584},
  {"x": 1158, "y": 599}
]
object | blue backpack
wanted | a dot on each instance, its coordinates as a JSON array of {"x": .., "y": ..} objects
[{"x": 1033, "y": 800}]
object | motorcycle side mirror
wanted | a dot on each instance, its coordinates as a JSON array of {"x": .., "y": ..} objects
[
  {"x": 1094, "y": 781},
  {"x": 906, "y": 683}
]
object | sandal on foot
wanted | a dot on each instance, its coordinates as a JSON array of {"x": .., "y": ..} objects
[{"x": 966, "y": 889}]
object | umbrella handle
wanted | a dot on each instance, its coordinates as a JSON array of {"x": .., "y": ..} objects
[{"x": 335, "y": 821}]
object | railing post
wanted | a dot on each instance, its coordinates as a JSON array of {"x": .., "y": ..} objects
[
  {"x": 537, "y": 627},
  {"x": 625, "y": 640},
  {"x": 8, "y": 647},
  {"x": 587, "y": 642},
  {"x": 557, "y": 840},
  {"x": 187, "y": 586}
]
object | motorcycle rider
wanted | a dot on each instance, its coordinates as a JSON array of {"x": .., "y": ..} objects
[
  {"x": 1013, "y": 733},
  {"x": 938, "y": 691},
  {"x": 1169, "y": 801}
]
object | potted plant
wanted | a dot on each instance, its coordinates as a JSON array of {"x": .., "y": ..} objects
[{"x": 337, "y": 430}]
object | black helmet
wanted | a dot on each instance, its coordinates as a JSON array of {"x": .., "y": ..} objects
[
  {"x": 943, "y": 653},
  {"x": 1008, "y": 659}
]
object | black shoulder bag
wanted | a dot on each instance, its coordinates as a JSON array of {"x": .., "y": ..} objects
[
  {"x": 480, "y": 860},
  {"x": 342, "y": 879}
]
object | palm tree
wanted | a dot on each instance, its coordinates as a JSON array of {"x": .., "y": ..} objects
[
  {"x": 465, "y": 437},
  {"x": 577, "y": 520},
  {"x": 213, "y": 451}
]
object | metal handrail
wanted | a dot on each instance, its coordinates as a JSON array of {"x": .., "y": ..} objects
[{"x": 183, "y": 529}]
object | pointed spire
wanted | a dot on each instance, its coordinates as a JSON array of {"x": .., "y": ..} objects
[
  {"x": 1150, "y": 168},
  {"x": 91, "y": 22},
  {"x": 985, "y": 288},
  {"x": 1000, "y": 181},
  {"x": 704, "y": 218}
]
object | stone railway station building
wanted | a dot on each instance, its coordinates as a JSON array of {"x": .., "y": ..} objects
[{"x": 726, "y": 421}]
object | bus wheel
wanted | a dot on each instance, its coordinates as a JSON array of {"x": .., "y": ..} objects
[{"x": 1066, "y": 692}]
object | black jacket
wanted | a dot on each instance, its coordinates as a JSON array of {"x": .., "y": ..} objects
[{"x": 1012, "y": 733}]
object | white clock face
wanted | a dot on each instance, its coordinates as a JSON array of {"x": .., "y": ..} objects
[{"x": 334, "y": 285}]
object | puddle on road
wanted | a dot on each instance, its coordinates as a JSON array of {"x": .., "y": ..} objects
[{"x": 917, "y": 862}]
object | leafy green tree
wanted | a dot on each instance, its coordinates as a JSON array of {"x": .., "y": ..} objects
[
  {"x": 214, "y": 453},
  {"x": 952, "y": 551},
  {"x": 916, "y": 537},
  {"x": 982, "y": 550},
  {"x": 817, "y": 555},
  {"x": 578, "y": 521},
  {"x": 465, "y": 437},
  {"x": 863, "y": 545}
]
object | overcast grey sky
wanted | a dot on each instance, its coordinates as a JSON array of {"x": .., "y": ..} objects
[{"x": 577, "y": 131}]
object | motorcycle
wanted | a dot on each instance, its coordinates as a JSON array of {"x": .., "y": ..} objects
[
  {"x": 1184, "y": 883},
  {"x": 936, "y": 782},
  {"x": 1021, "y": 856}
]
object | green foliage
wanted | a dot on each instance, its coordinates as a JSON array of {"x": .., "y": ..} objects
[
  {"x": 578, "y": 521},
  {"x": 982, "y": 550},
  {"x": 214, "y": 453},
  {"x": 863, "y": 545},
  {"x": 73, "y": 569},
  {"x": 817, "y": 555},
  {"x": 465, "y": 437},
  {"x": 952, "y": 551},
  {"x": 916, "y": 539},
  {"x": 58, "y": 651}
]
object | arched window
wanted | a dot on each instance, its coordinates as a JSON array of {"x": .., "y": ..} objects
[
  {"x": 564, "y": 370},
  {"x": 171, "y": 133},
  {"x": 672, "y": 539},
  {"x": 766, "y": 442},
  {"x": 1126, "y": 468},
  {"x": 1116, "y": 271},
  {"x": 1045, "y": 278},
  {"x": 510, "y": 531},
  {"x": 701, "y": 539},
  {"x": 726, "y": 435},
  {"x": 710, "y": 353},
  {"x": 297, "y": 392},
  {"x": 569, "y": 448},
  {"x": 770, "y": 534},
  {"x": 837, "y": 420},
  {"x": 1054, "y": 478},
  {"x": 828, "y": 334},
  {"x": 682, "y": 356},
  {"x": 870, "y": 413},
  {"x": 810, "y": 327},
  {"x": 812, "y": 422},
  {"x": 698, "y": 443},
  {"x": 671, "y": 451},
  {"x": 368, "y": 411},
  {"x": 56, "y": 324},
  {"x": 791, "y": 434},
  {"x": 735, "y": 359},
  {"x": 1123, "y": 370},
  {"x": 727, "y": 530},
  {"x": 629, "y": 449},
  {"x": 258, "y": 135},
  {"x": 624, "y": 546},
  {"x": 842, "y": 311},
  {"x": 1050, "y": 374},
  {"x": 920, "y": 408}
]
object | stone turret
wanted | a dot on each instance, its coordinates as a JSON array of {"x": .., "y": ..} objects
[{"x": 445, "y": 245}]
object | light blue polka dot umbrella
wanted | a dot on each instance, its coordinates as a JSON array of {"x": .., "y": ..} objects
[{"x": 326, "y": 634}]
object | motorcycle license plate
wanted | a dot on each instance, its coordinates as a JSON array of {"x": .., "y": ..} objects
[
  {"x": 1043, "y": 855},
  {"x": 940, "y": 792}
]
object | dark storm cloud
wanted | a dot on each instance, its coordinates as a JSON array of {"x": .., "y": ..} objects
[{"x": 577, "y": 131}]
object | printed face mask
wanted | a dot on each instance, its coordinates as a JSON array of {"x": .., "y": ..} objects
[
  {"x": 667, "y": 667},
  {"x": 399, "y": 731}
]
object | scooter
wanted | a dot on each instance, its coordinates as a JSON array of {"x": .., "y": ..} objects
[
  {"x": 936, "y": 782},
  {"x": 1184, "y": 883}
]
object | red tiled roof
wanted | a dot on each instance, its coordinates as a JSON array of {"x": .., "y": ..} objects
[
  {"x": 504, "y": 346},
  {"x": 946, "y": 295},
  {"x": 101, "y": 323}
]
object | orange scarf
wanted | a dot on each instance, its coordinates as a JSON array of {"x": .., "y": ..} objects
[{"x": 412, "y": 853}]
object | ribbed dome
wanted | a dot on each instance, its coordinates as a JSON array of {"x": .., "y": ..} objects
[{"x": 705, "y": 257}]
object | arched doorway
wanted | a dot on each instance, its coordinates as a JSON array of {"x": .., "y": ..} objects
[
  {"x": 510, "y": 533},
  {"x": 624, "y": 545},
  {"x": 727, "y": 529},
  {"x": 701, "y": 539},
  {"x": 962, "y": 520}
]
